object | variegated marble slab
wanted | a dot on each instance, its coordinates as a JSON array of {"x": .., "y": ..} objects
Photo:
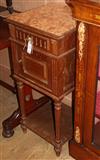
[{"x": 53, "y": 18}]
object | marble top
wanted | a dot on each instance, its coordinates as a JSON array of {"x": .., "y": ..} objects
[{"x": 53, "y": 18}]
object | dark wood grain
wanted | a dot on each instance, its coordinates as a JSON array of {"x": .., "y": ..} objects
[
  {"x": 87, "y": 14},
  {"x": 9, "y": 6},
  {"x": 5, "y": 43}
]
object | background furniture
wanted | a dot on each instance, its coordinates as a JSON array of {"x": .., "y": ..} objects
[
  {"x": 43, "y": 52},
  {"x": 85, "y": 144},
  {"x": 5, "y": 43},
  {"x": 9, "y": 6},
  {"x": 4, "y": 39}
]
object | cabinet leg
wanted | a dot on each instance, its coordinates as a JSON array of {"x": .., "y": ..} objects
[{"x": 57, "y": 147}]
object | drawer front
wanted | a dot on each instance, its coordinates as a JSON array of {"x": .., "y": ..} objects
[
  {"x": 35, "y": 68},
  {"x": 39, "y": 41},
  {"x": 48, "y": 45}
]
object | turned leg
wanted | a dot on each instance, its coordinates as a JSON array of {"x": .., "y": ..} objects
[{"x": 57, "y": 106}]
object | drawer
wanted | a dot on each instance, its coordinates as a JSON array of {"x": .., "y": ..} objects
[
  {"x": 39, "y": 41},
  {"x": 44, "y": 43}
]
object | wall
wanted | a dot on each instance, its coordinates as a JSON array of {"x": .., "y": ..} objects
[
  {"x": 20, "y": 5},
  {"x": 23, "y": 5}
]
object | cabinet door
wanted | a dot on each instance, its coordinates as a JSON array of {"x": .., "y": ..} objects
[
  {"x": 92, "y": 94},
  {"x": 34, "y": 67}
]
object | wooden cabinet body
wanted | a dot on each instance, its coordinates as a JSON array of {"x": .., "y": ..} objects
[
  {"x": 49, "y": 67},
  {"x": 52, "y": 60},
  {"x": 87, "y": 14}
]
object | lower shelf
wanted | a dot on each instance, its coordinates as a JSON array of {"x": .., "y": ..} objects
[{"x": 41, "y": 122}]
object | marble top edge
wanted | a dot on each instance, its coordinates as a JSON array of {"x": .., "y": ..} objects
[{"x": 52, "y": 18}]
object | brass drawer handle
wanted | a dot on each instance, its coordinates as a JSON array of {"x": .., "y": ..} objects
[{"x": 28, "y": 45}]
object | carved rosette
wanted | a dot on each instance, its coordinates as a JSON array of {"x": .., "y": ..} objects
[{"x": 80, "y": 80}]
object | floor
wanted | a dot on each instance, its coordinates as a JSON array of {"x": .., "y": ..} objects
[{"x": 22, "y": 146}]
